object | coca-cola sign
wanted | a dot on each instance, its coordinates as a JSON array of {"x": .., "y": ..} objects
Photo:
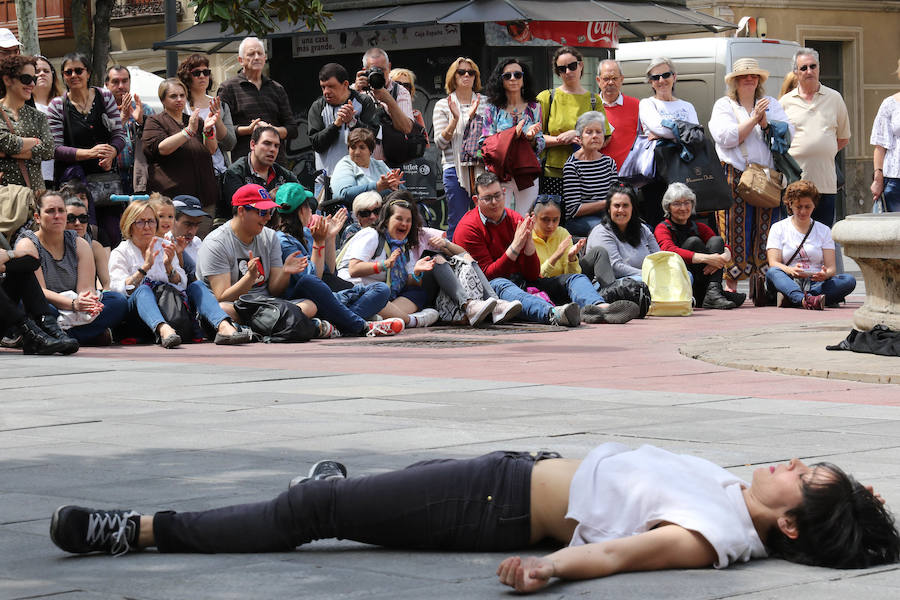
[{"x": 591, "y": 34}]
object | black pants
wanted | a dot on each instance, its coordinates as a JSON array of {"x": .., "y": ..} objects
[
  {"x": 478, "y": 504},
  {"x": 714, "y": 245},
  {"x": 597, "y": 266},
  {"x": 21, "y": 285}
]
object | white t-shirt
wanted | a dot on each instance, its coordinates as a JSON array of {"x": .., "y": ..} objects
[
  {"x": 784, "y": 236},
  {"x": 618, "y": 492},
  {"x": 364, "y": 246},
  {"x": 653, "y": 111}
]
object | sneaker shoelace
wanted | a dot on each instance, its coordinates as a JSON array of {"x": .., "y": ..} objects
[
  {"x": 380, "y": 327},
  {"x": 113, "y": 528}
]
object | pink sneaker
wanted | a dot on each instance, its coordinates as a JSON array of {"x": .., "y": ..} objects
[
  {"x": 814, "y": 302},
  {"x": 384, "y": 327}
]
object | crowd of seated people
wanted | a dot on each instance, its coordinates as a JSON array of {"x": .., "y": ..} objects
[{"x": 540, "y": 248}]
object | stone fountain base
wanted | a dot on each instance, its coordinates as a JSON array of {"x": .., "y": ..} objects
[{"x": 873, "y": 241}]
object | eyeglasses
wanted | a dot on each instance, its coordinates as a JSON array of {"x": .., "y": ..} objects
[
  {"x": 27, "y": 79},
  {"x": 201, "y": 73},
  {"x": 464, "y": 72},
  {"x": 680, "y": 203},
  {"x": 80, "y": 218},
  {"x": 491, "y": 198},
  {"x": 145, "y": 223},
  {"x": 513, "y": 75},
  {"x": 811, "y": 67},
  {"x": 367, "y": 212},
  {"x": 572, "y": 66},
  {"x": 665, "y": 75},
  {"x": 405, "y": 84},
  {"x": 75, "y": 70}
]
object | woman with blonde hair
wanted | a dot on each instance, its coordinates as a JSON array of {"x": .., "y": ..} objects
[
  {"x": 738, "y": 124},
  {"x": 451, "y": 119}
]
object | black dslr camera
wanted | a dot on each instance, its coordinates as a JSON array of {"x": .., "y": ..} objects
[{"x": 376, "y": 77}]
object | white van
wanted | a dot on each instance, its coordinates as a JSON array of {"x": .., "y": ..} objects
[{"x": 702, "y": 64}]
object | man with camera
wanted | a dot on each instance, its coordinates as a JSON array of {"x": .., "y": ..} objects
[{"x": 395, "y": 99}]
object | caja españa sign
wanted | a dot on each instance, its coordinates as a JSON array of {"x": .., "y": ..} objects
[{"x": 592, "y": 34}]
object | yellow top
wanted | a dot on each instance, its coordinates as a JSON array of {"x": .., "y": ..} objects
[{"x": 546, "y": 249}]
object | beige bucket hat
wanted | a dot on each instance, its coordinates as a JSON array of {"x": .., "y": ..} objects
[{"x": 747, "y": 66}]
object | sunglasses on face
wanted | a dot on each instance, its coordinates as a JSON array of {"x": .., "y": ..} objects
[
  {"x": 201, "y": 73},
  {"x": 27, "y": 79},
  {"x": 367, "y": 212},
  {"x": 79, "y": 218},
  {"x": 572, "y": 66},
  {"x": 405, "y": 84},
  {"x": 665, "y": 75},
  {"x": 464, "y": 72},
  {"x": 75, "y": 70},
  {"x": 262, "y": 212},
  {"x": 811, "y": 67},
  {"x": 513, "y": 75}
]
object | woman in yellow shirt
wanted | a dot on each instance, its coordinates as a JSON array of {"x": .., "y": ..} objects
[{"x": 561, "y": 278}]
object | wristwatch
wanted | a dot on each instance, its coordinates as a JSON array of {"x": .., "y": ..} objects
[{"x": 11, "y": 254}]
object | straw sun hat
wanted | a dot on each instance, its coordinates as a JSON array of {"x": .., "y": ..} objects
[{"x": 747, "y": 66}]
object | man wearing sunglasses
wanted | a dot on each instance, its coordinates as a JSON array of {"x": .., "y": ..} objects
[
  {"x": 243, "y": 256},
  {"x": 132, "y": 111},
  {"x": 823, "y": 129},
  {"x": 258, "y": 167}
]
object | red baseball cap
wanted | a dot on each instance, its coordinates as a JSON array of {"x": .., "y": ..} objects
[{"x": 253, "y": 195}]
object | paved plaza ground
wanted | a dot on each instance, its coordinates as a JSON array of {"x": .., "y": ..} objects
[{"x": 203, "y": 426}]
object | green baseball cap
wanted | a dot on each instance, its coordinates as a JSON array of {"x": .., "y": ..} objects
[{"x": 291, "y": 196}]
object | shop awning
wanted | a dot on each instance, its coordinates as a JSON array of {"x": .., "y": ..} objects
[{"x": 637, "y": 20}]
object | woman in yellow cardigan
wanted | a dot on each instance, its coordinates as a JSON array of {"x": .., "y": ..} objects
[{"x": 561, "y": 278}]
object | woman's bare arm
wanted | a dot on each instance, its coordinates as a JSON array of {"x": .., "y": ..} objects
[{"x": 666, "y": 547}]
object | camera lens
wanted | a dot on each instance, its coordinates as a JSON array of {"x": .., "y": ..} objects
[{"x": 376, "y": 78}]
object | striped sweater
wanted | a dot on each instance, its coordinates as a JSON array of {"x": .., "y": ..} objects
[
  {"x": 586, "y": 181},
  {"x": 56, "y": 119}
]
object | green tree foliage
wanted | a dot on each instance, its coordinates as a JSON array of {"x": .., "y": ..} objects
[{"x": 259, "y": 17}]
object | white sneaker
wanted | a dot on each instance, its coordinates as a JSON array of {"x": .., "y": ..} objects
[
  {"x": 384, "y": 327},
  {"x": 478, "y": 310},
  {"x": 426, "y": 317},
  {"x": 505, "y": 311}
]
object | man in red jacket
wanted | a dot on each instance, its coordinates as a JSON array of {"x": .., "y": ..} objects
[
  {"x": 500, "y": 240},
  {"x": 621, "y": 110}
]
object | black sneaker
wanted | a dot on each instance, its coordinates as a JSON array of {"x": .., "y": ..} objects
[
  {"x": 324, "y": 469},
  {"x": 82, "y": 530}
]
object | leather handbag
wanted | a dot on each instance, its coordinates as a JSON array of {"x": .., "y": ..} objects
[
  {"x": 760, "y": 186},
  {"x": 759, "y": 294}
]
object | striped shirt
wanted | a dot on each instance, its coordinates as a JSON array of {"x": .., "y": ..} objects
[{"x": 586, "y": 181}]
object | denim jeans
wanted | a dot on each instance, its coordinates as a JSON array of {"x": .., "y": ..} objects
[
  {"x": 458, "y": 200},
  {"x": 835, "y": 288},
  {"x": 824, "y": 211},
  {"x": 891, "y": 194},
  {"x": 365, "y": 300},
  {"x": 142, "y": 302},
  {"x": 329, "y": 308},
  {"x": 204, "y": 303},
  {"x": 533, "y": 308},
  {"x": 572, "y": 287},
  {"x": 582, "y": 226},
  {"x": 115, "y": 307},
  {"x": 478, "y": 504}
]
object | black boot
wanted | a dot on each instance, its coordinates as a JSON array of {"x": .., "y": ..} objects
[
  {"x": 736, "y": 297},
  {"x": 715, "y": 298},
  {"x": 48, "y": 323},
  {"x": 37, "y": 341}
]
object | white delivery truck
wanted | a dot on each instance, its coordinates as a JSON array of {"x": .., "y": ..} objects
[{"x": 702, "y": 64}]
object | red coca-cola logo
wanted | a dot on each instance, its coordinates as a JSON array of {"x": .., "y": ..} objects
[{"x": 601, "y": 31}]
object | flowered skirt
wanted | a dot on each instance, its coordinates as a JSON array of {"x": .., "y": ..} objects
[{"x": 745, "y": 229}]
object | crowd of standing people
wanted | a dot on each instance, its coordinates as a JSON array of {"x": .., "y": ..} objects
[{"x": 540, "y": 223}]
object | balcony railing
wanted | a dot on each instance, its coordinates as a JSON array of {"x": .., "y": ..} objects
[{"x": 138, "y": 12}]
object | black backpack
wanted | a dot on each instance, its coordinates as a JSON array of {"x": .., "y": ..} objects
[
  {"x": 628, "y": 289},
  {"x": 400, "y": 147},
  {"x": 174, "y": 310},
  {"x": 273, "y": 319}
]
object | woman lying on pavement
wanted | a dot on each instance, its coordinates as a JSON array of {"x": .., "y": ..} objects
[{"x": 618, "y": 510}]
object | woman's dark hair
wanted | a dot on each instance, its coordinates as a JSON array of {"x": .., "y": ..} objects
[
  {"x": 290, "y": 224},
  {"x": 76, "y": 57},
  {"x": 73, "y": 188},
  {"x": 840, "y": 524},
  {"x": 43, "y": 194},
  {"x": 11, "y": 67},
  {"x": 494, "y": 88},
  {"x": 361, "y": 134},
  {"x": 184, "y": 72},
  {"x": 395, "y": 200},
  {"x": 566, "y": 50},
  {"x": 632, "y": 233},
  {"x": 55, "y": 85}
]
